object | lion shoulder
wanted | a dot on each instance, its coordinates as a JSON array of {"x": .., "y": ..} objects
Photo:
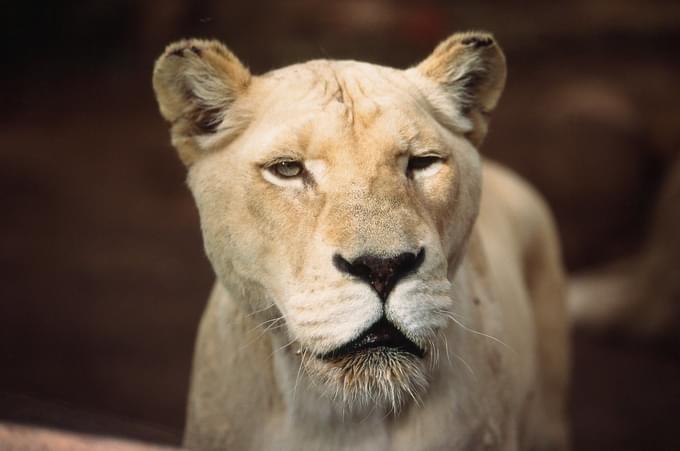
[{"x": 511, "y": 204}]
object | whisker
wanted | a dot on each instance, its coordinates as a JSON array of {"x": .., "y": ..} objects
[
  {"x": 457, "y": 356},
  {"x": 282, "y": 347},
  {"x": 465, "y": 364},
  {"x": 297, "y": 378},
  {"x": 476, "y": 332},
  {"x": 251, "y": 314},
  {"x": 272, "y": 324}
]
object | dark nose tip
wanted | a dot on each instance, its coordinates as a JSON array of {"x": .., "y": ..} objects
[{"x": 382, "y": 274}]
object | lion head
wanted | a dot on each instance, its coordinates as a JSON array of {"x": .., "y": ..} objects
[{"x": 336, "y": 198}]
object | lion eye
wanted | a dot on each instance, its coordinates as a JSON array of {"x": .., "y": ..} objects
[
  {"x": 286, "y": 169},
  {"x": 418, "y": 163}
]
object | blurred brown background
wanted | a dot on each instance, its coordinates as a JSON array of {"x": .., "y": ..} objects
[{"x": 103, "y": 273}]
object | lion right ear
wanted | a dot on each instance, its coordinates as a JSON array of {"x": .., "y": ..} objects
[{"x": 196, "y": 84}]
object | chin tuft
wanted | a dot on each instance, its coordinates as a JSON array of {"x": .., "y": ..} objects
[{"x": 376, "y": 379}]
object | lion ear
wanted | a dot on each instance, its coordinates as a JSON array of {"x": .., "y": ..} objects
[
  {"x": 196, "y": 84},
  {"x": 470, "y": 67}
]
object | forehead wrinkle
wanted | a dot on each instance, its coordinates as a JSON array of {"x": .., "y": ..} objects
[
  {"x": 407, "y": 134},
  {"x": 358, "y": 88},
  {"x": 344, "y": 97},
  {"x": 325, "y": 83},
  {"x": 420, "y": 137},
  {"x": 368, "y": 109},
  {"x": 388, "y": 91}
]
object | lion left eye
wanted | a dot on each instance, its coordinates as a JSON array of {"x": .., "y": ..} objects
[
  {"x": 418, "y": 163},
  {"x": 286, "y": 169}
]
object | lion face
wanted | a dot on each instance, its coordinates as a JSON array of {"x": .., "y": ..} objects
[{"x": 335, "y": 199}]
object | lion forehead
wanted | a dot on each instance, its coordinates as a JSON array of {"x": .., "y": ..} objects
[
  {"x": 337, "y": 112},
  {"x": 356, "y": 94}
]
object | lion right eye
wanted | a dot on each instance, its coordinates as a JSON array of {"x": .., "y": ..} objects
[{"x": 286, "y": 169}]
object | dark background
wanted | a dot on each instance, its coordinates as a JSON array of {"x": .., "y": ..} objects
[{"x": 102, "y": 267}]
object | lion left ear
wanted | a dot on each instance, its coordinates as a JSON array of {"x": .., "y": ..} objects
[{"x": 470, "y": 67}]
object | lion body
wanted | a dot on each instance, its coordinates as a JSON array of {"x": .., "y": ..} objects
[{"x": 379, "y": 287}]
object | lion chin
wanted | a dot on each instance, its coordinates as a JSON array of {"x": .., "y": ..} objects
[
  {"x": 374, "y": 379},
  {"x": 380, "y": 369}
]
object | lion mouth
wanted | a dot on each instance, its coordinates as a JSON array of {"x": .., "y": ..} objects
[{"x": 382, "y": 336}]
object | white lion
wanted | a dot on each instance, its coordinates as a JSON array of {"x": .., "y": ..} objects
[{"x": 378, "y": 286}]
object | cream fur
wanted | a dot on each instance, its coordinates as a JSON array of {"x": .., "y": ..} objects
[{"x": 486, "y": 305}]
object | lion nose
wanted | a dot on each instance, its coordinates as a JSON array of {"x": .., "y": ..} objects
[{"x": 382, "y": 274}]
